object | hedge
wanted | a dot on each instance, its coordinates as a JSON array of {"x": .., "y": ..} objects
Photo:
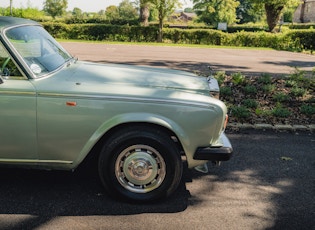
[
  {"x": 101, "y": 32},
  {"x": 295, "y": 40},
  {"x": 302, "y": 26}
]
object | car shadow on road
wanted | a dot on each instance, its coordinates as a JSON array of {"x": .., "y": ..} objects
[{"x": 44, "y": 195}]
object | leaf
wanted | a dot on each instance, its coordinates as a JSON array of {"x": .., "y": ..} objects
[{"x": 286, "y": 158}]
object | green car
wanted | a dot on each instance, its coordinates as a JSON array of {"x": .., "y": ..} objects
[{"x": 141, "y": 123}]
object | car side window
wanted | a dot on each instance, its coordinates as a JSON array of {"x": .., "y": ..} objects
[{"x": 8, "y": 69}]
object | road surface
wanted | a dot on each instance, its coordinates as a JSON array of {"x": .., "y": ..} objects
[
  {"x": 268, "y": 184},
  {"x": 247, "y": 61}
]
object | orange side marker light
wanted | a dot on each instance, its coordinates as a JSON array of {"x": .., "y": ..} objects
[{"x": 71, "y": 103}]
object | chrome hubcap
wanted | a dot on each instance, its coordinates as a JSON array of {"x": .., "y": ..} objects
[{"x": 140, "y": 168}]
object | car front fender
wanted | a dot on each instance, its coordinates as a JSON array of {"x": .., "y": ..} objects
[{"x": 128, "y": 118}]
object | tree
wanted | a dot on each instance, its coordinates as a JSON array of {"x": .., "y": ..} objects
[
  {"x": 77, "y": 12},
  {"x": 215, "y": 11},
  {"x": 127, "y": 11},
  {"x": 55, "y": 7},
  {"x": 247, "y": 11},
  {"x": 164, "y": 8},
  {"x": 274, "y": 9},
  {"x": 189, "y": 10},
  {"x": 144, "y": 12},
  {"x": 112, "y": 13},
  {"x": 32, "y": 13},
  {"x": 11, "y": 2}
]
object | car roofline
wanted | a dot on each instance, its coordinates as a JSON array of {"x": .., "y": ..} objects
[{"x": 7, "y": 22}]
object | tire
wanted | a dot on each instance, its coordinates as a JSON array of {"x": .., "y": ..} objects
[{"x": 140, "y": 164}]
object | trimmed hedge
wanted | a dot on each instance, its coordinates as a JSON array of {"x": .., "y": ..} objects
[
  {"x": 302, "y": 26},
  {"x": 304, "y": 38},
  {"x": 101, "y": 32},
  {"x": 294, "y": 40}
]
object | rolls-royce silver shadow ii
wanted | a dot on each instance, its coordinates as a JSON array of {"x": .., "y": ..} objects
[{"x": 141, "y": 123}]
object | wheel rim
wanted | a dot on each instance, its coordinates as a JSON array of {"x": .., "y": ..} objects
[{"x": 140, "y": 168}]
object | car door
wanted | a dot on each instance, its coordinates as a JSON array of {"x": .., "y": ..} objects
[{"x": 17, "y": 113}]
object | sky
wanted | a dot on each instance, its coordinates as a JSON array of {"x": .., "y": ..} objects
[{"x": 84, "y": 5}]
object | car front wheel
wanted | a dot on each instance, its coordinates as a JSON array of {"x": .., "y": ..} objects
[{"x": 140, "y": 164}]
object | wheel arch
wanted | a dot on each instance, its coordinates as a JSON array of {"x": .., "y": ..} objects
[{"x": 93, "y": 147}]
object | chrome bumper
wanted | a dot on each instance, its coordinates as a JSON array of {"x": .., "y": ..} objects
[{"x": 215, "y": 153}]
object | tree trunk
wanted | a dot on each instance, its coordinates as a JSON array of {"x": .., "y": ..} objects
[
  {"x": 160, "y": 35},
  {"x": 144, "y": 14},
  {"x": 273, "y": 15},
  {"x": 11, "y": 7},
  {"x": 302, "y": 12}
]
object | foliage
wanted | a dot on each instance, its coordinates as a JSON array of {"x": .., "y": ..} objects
[
  {"x": 298, "y": 92},
  {"x": 274, "y": 9},
  {"x": 249, "y": 27},
  {"x": 308, "y": 110},
  {"x": 189, "y": 10},
  {"x": 220, "y": 76},
  {"x": 112, "y": 13},
  {"x": 164, "y": 8},
  {"x": 286, "y": 104},
  {"x": 240, "y": 112},
  {"x": 249, "y": 12},
  {"x": 305, "y": 37},
  {"x": 298, "y": 76},
  {"x": 225, "y": 91},
  {"x": 238, "y": 79},
  {"x": 214, "y": 11},
  {"x": 301, "y": 26},
  {"x": 29, "y": 12},
  {"x": 281, "y": 97},
  {"x": 288, "y": 13},
  {"x": 268, "y": 88},
  {"x": 250, "y": 103},
  {"x": 250, "y": 90},
  {"x": 127, "y": 10},
  {"x": 77, "y": 12},
  {"x": 265, "y": 79},
  {"x": 290, "y": 83},
  {"x": 55, "y": 7},
  {"x": 291, "y": 40},
  {"x": 279, "y": 111},
  {"x": 101, "y": 32}
]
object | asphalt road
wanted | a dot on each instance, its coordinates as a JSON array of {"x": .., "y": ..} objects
[
  {"x": 268, "y": 184},
  {"x": 247, "y": 61}
]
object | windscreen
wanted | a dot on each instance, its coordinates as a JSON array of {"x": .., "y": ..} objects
[{"x": 38, "y": 48}]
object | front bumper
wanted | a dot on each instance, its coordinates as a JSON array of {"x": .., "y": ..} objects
[{"x": 215, "y": 153}]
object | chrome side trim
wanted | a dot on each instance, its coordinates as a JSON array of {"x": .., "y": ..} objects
[
  {"x": 26, "y": 161},
  {"x": 8, "y": 92}
]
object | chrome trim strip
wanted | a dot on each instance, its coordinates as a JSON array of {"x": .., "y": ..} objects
[
  {"x": 8, "y": 92},
  {"x": 18, "y": 161}
]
